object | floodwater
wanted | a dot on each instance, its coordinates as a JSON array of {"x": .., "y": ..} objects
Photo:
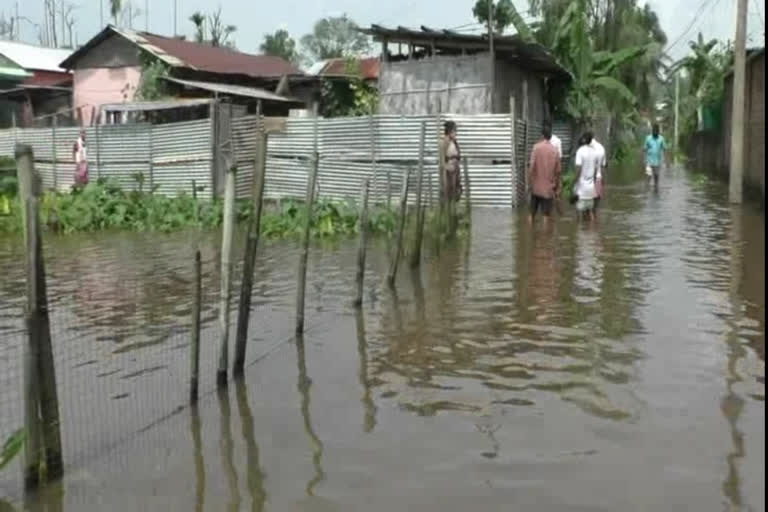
[{"x": 614, "y": 368}]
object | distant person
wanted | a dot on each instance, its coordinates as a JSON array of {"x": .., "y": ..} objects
[
  {"x": 452, "y": 154},
  {"x": 653, "y": 151},
  {"x": 544, "y": 175},
  {"x": 603, "y": 162},
  {"x": 587, "y": 176},
  {"x": 555, "y": 141},
  {"x": 80, "y": 157}
]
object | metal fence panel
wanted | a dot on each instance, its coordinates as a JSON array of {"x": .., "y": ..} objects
[{"x": 181, "y": 153}]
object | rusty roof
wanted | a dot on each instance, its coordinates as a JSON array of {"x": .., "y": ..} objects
[
  {"x": 196, "y": 56},
  {"x": 369, "y": 68}
]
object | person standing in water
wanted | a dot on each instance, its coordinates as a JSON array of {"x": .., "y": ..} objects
[
  {"x": 544, "y": 175},
  {"x": 80, "y": 157},
  {"x": 587, "y": 176},
  {"x": 653, "y": 152},
  {"x": 602, "y": 162},
  {"x": 452, "y": 165}
]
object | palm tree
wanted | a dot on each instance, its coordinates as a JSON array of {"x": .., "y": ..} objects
[
  {"x": 115, "y": 6},
  {"x": 198, "y": 19}
]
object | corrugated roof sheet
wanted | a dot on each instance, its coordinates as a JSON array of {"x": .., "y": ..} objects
[
  {"x": 369, "y": 68},
  {"x": 234, "y": 90},
  {"x": 201, "y": 57},
  {"x": 533, "y": 56},
  {"x": 143, "y": 106},
  {"x": 33, "y": 57}
]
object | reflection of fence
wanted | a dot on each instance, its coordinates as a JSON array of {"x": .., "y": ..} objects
[{"x": 171, "y": 156}]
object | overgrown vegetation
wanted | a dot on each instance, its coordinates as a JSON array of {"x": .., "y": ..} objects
[
  {"x": 11, "y": 448},
  {"x": 105, "y": 206}
]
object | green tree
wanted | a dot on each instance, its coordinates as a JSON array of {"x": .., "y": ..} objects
[
  {"x": 280, "y": 44},
  {"x": 211, "y": 29},
  {"x": 115, "y": 7},
  {"x": 334, "y": 37},
  {"x": 504, "y": 15},
  {"x": 354, "y": 97}
]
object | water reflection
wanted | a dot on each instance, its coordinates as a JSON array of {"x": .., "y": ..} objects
[
  {"x": 197, "y": 454},
  {"x": 369, "y": 408},
  {"x": 304, "y": 385},
  {"x": 227, "y": 450},
  {"x": 255, "y": 475},
  {"x": 732, "y": 404}
]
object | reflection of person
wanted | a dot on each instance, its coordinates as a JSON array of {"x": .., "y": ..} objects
[
  {"x": 452, "y": 166},
  {"x": 588, "y": 173},
  {"x": 654, "y": 149},
  {"x": 80, "y": 157},
  {"x": 544, "y": 175}
]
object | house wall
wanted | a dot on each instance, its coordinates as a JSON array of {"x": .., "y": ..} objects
[
  {"x": 708, "y": 153},
  {"x": 108, "y": 73},
  {"x": 458, "y": 84},
  {"x": 509, "y": 82}
]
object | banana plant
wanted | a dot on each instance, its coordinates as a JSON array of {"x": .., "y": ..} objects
[{"x": 11, "y": 448}]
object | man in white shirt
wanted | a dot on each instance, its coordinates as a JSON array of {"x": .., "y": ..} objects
[
  {"x": 603, "y": 162},
  {"x": 555, "y": 141},
  {"x": 588, "y": 168}
]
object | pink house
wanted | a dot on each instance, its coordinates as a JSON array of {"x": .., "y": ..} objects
[{"x": 107, "y": 69}]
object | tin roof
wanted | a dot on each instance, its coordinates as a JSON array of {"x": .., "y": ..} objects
[
  {"x": 143, "y": 106},
  {"x": 186, "y": 54},
  {"x": 31, "y": 57},
  {"x": 234, "y": 90},
  {"x": 532, "y": 56},
  {"x": 369, "y": 68}
]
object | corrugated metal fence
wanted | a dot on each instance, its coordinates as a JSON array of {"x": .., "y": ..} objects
[{"x": 381, "y": 148}]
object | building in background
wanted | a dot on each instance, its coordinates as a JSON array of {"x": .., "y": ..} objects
[
  {"x": 366, "y": 68},
  {"x": 32, "y": 84},
  {"x": 423, "y": 69},
  {"x": 108, "y": 71}
]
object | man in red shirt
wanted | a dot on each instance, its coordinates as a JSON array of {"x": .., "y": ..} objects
[{"x": 544, "y": 175}]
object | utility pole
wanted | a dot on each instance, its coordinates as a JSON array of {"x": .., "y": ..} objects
[
  {"x": 677, "y": 116},
  {"x": 175, "y": 19},
  {"x": 101, "y": 13},
  {"x": 736, "y": 167},
  {"x": 146, "y": 15},
  {"x": 492, "y": 86}
]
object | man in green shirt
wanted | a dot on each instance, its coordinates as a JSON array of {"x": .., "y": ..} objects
[{"x": 653, "y": 151}]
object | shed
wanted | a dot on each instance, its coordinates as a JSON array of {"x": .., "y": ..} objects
[{"x": 423, "y": 70}]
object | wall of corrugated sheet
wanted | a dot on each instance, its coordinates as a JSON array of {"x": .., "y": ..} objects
[{"x": 379, "y": 148}]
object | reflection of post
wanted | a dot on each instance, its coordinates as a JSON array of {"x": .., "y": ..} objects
[
  {"x": 195, "y": 356},
  {"x": 732, "y": 404},
  {"x": 317, "y": 446},
  {"x": 255, "y": 475},
  {"x": 360, "y": 276},
  {"x": 199, "y": 461},
  {"x": 227, "y": 451},
  {"x": 369, "y": 421}
]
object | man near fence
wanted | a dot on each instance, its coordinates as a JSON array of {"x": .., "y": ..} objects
[
  {"x": 80, "y": 157},
  {"x": 544, "y": 175}
]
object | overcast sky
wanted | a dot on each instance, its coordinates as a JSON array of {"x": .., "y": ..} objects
[{"x": 715, "y": 18}]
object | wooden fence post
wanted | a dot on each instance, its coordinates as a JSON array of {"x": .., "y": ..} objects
[
  {"x": 39, "y": 329},
  {"x": 517, "y": 195},
  {"x": 360, "y": 276},
  {"x": 401, "y": 228},
  {"x": 54, "y": 122},
  {"x": 226, "y": 274},
  {"x": 196, "y": 306},
  {"x": 252, "y": 243},
  {"x": 304, "y": 255},
  {"x": 467, "y": 192},
  {"x": 420, "y": 214},
  {"x": 98, "y": 150},
  {"x": 32, "y": 424}
]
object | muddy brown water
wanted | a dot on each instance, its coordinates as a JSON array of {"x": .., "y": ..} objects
[{"x": 620, "y": 367}]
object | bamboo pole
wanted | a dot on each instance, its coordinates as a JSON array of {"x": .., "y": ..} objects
[
  {"x": 516, "y": 197},
  {"x": 440, "y": 168},
  {"x": 360, "y": 276},
  {"x": 304, "y": 256},
  {"x": 420, "y": 214},
  {"x": 226, "y": 275},
  {"x": 249, "y": 260},
  {"x": 195, "y": 357},
  {"x": 400, "y": 230},
  {"x": 39, "y": 332}
]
